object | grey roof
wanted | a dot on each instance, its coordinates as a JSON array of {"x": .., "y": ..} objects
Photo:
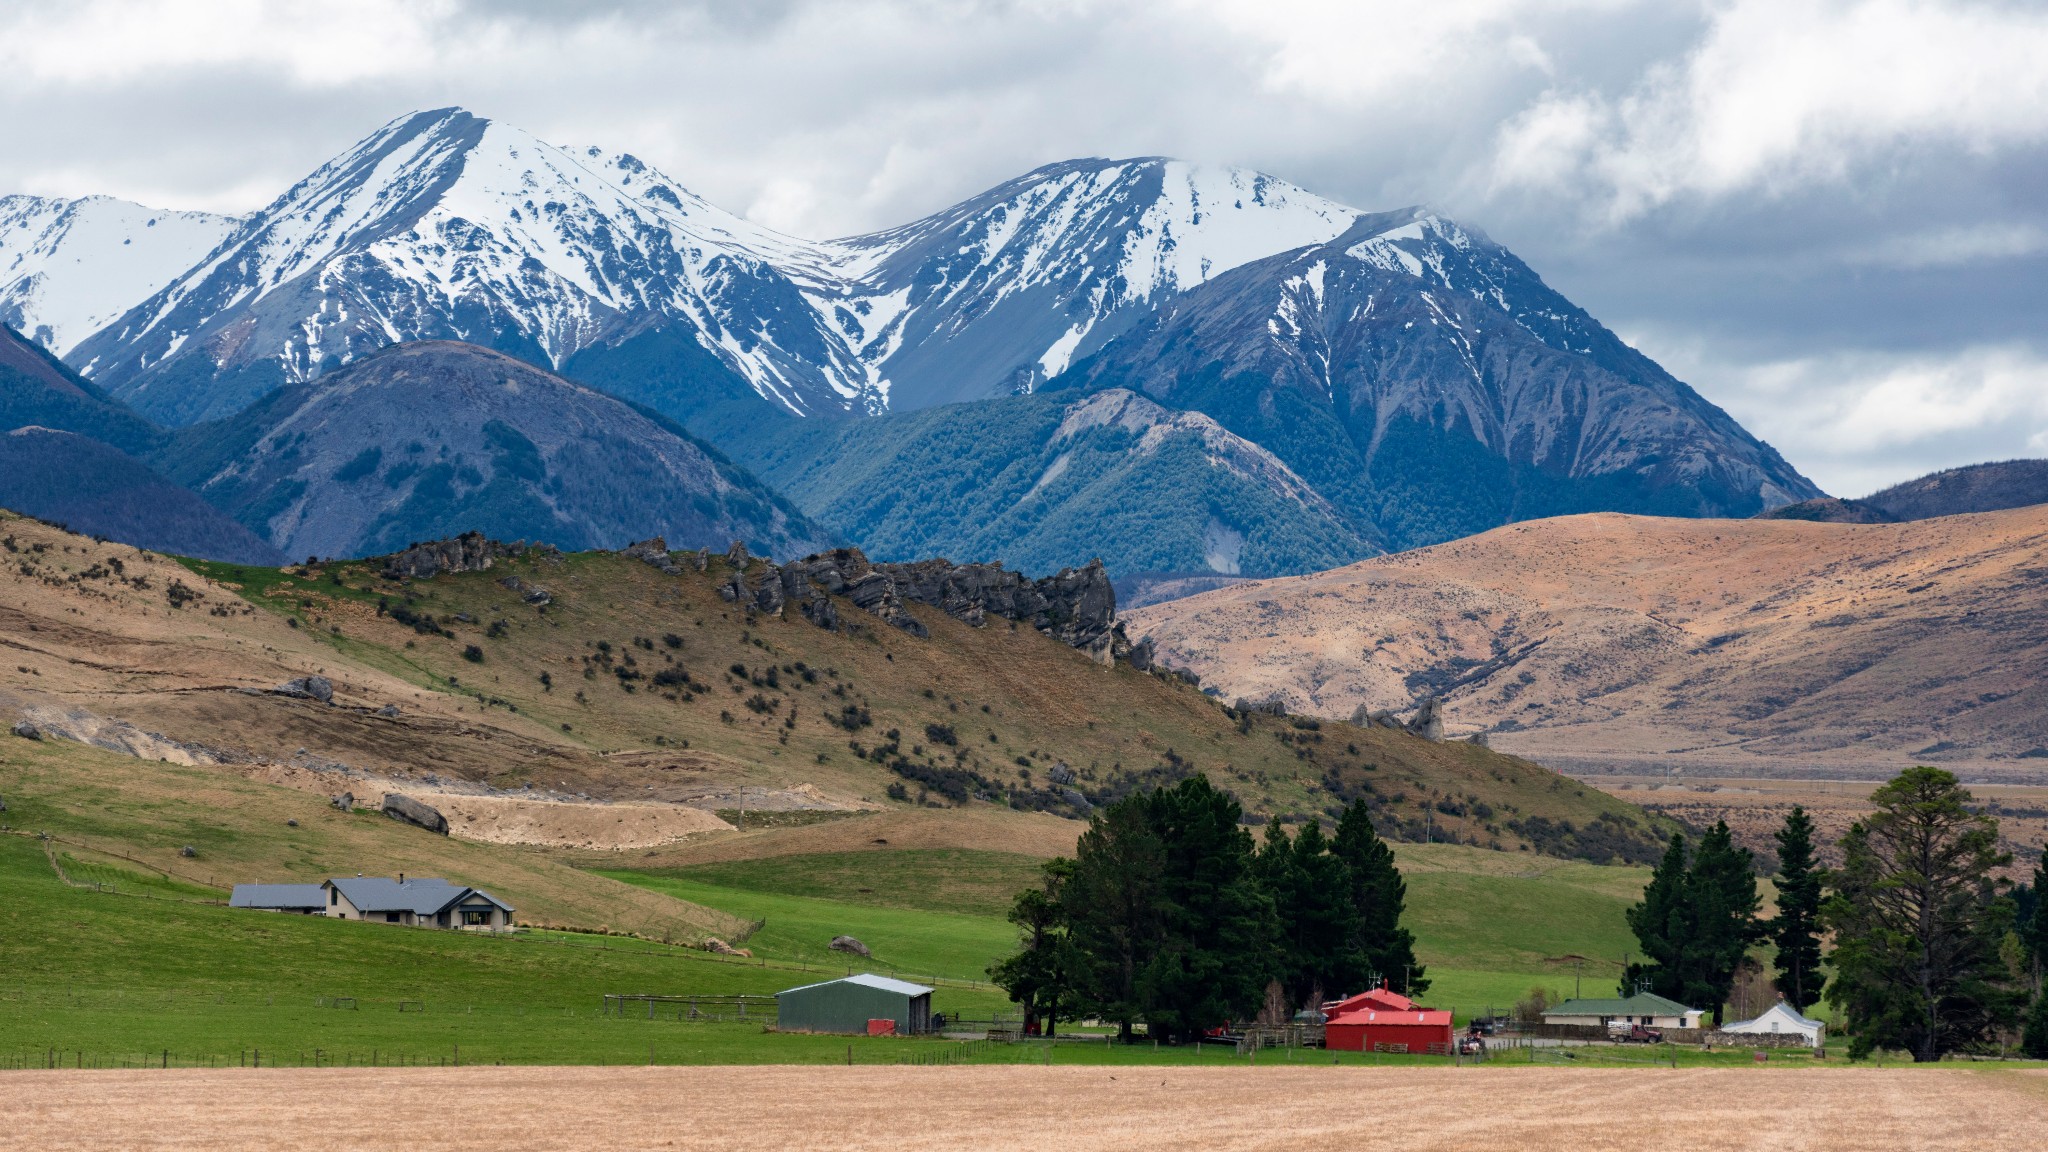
[
  {"x": 1640, "y": 1004},
  {"x": 421, "y": 895},
  {"x": 868, "y": 980},
  {"x": 278, "y": 896}
]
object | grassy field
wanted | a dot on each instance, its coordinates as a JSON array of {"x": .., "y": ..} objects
[
  {"x": 145, "y": 968},
  {"x": 243, "y": 830},
  {"x": 154, "y": 963},
  {"x": 1489, "y": 925}
]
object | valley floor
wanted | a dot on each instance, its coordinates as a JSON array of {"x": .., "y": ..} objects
[{"x": 1024, "y": 1107}]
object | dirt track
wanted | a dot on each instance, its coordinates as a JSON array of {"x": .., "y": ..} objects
[{"x": 1075, "y": 1109}]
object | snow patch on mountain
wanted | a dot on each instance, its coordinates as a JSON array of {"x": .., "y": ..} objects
[{"x": 70, "y": 267}]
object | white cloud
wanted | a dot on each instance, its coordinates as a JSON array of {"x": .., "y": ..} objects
[
  {"x": 1856, "y": 421},
  {"x": 1780, "y": 94},
  {"x": 316, "y": 44}
]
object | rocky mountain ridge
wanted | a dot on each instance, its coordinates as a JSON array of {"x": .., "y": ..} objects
[
  {"x": 1054, "y": 480},
  {"x": 1428, "y": 382}
]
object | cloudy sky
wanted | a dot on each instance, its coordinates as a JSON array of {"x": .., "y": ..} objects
[{"x": 1830, "y": 218}]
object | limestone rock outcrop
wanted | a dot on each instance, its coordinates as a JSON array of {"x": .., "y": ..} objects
[
  {"x": 1077, "y": 606},
  {"x": 1428, "y": 721},
  {"x": 469, "y": 552}
]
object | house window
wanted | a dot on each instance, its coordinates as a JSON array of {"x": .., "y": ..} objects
[
  {"x": 333, "y": 897},
  {"x": 391, "y": 917},
  {"x": 476, "y": 916}
]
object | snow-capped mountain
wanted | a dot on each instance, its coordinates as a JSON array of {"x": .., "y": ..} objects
[
  {"x": 1006, "y": 289},
  {"x": 1425, "y": 378},
  {"x": 1417, "y": 378},
  {"x": 70, "y": 267},
  {"x": 446, "y": 225}
]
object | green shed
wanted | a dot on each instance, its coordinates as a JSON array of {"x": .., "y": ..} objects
[{"x": 846, "y": 1005}]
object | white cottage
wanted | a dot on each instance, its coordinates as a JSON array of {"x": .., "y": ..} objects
[{"x": 1782, "y": 1019}]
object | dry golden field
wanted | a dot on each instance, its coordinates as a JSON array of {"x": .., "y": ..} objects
[{"x": 1073, "y": 1109}]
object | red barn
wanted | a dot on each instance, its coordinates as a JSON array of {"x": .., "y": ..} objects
[{"x": 1380, "y": 1030}]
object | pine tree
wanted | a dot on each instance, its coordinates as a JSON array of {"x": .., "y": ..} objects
[
  {"x": 1318, "y": 944},
  {"x": 1384, "y": 948},
  {"x": 1796, "y": 929},
  {"x": 1115, "y": 913},
  {"x": 2033, "y": 928},
  {"x": 2034, "y": 1035},
  {"x": 1721, "y": 886},
  {"x": 1216, "y": 952},
  {"x": 1662, "y": 922},
  {"x": 1039, "y": 975},
  {"x": 1918, "y": 919}
]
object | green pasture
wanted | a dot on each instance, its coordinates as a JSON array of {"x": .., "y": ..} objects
[
  {"x": 142, "y": 964},
  {"x": 147, "y": 968}
]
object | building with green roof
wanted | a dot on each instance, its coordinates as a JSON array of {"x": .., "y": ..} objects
[{"x": 1646, "y": 1008}]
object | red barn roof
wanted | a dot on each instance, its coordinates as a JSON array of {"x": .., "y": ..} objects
[
  {"x": 1415, "y": 1018},
  {"x": 1381, "y": 998}
]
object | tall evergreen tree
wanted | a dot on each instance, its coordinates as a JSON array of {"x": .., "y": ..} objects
[
  {"x": 2033, "y": 920},
  {"x": 2032, "y": 906},
  {"x": 1216, "y": 952},
  {"x": 1662, "y": 922},
  {"x": 1918, "y": 918},
  {"x": 1318, "y": 945},
  {"x": 1116, "y": 913},
  {"x": 1796, "y": 928},
  {"x": 1039, "y": 975},
  {"x": 2034, "y": 1030},
  {"x": 1385, "y": 948},
  {"x": 1721, "y": 886}
]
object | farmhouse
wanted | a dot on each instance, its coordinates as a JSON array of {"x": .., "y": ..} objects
[
  {"x": 1371, "y": 1029},
  {"x": 422, "y": 901},
  {"x": 1782, "y": 1019},
  {"x": 853, "y": 1004},
  {"x": 419, "y": 901},
  {"x": 1643, "y": 1008},
  {"x": 303, "y": 899}
]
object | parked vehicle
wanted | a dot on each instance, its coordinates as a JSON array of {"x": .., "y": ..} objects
[{"x": 1628, "y": 1033}]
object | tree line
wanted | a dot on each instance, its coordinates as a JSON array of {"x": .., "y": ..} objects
[
  {"x": 1925, "y": 948},
  {"x": 1171, "y": 914}
]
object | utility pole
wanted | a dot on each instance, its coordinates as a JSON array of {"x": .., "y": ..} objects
[{"x": 1575, "y": 978}]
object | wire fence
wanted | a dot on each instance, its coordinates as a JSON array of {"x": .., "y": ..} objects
[{"x": 77, "y": 1059}]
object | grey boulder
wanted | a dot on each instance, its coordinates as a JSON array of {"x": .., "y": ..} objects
[{"x": 410, "y": 811}]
